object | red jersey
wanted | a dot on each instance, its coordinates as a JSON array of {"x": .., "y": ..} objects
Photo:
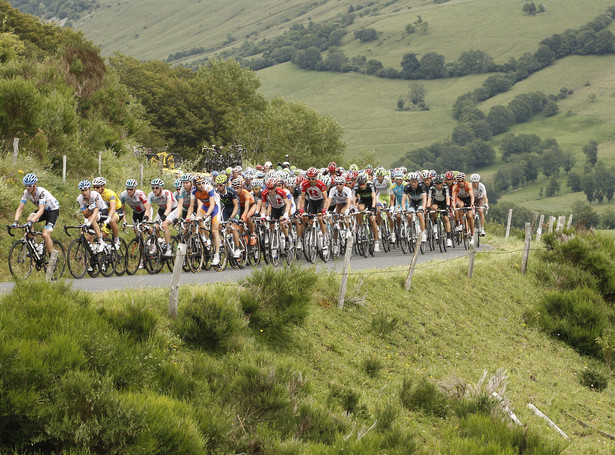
[
  {"x": 276, "y": 199},
  {"x": 315, "y": 192}
]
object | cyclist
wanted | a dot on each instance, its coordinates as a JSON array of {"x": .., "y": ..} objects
[
  {"x": 183, "y": 197},
  {"x": 341, "y": 196},
  {"x": 439, "y": 198},
  {"x": 415, "y": 194},
  {"x": 463, "y": 196},
  {"x": 94, "y": 210},
  {"x": 382, "y": 184},
  {"x": 365, "y": 199},
  {"x": 276, "y": 203},
  {"x": 397, "y": 190},
  {"x": 247, "y": 206},
  {"x": 136, "y": 199},
  {"x": 481, "y": 200},
  {"x": 229, "y": 202},
  {"x": 315, "y": 192},
  {"x": 48, "y": 207},
  {"x": 167, "y": 204},
  {"x": 116, "y": 211},
  {"x": 205, "y": 196}
]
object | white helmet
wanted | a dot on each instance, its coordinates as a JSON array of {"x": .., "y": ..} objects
[{"x": 475, "y": 178}]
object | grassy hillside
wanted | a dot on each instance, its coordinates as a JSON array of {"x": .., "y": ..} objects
[{"x": 314, "y": 389}]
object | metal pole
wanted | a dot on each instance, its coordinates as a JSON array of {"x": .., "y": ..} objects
[
  {"x": 99, "y": 163},
  {"x": 141, "y": 181}
]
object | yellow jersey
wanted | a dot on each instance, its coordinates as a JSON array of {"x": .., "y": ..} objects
[{"x": 110, "y": 195}]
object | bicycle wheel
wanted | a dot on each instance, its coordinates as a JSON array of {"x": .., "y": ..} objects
[
  {"x": 371, "y": 241},
  {"x": 465, "y": 233},
  {"x": 60, "y": 262},
  {"x": 107, "y": 260},
  {"x": 133, "y": 256},
  {"x": 477, "y": 229},
  {"x": 20, "y": 260},
  {"x": 264, "y": 239},
  {"x": 420, "y": 242},
  {"x": 385, "y": 234},
  {"x": 224, "y": 253},
  {"x": 254, "y": 252},
  {"x": 170, "y": 261},
  {"x": 412, "y": 237},
  {"x": 242, "y": 260},
  {"x": 441, "y": 236},
  {"x": 311, "y": 246},
  {"x": 274, "y": 248},
  {"x": 291, "y": 246},
  {"x": 325, "y": 247},
  {"x": 78, "y": 259},
  {"x": 194, "y": 253},
  {"x": 402, "y": 236},
  {"x": 431, "y": 233},
  {"x": 152, "y": 255},
  {"x": 121, "y": 263}
]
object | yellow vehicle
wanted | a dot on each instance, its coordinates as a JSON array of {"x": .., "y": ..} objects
[{"x": 168, "y": 162}]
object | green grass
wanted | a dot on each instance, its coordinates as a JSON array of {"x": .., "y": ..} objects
[{"x": 448, "y": 326}]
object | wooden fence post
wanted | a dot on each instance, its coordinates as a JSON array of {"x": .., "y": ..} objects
[
  {"x": 413, "y": 262},
  {"x": 53, "y": 260},
  {"x": 472, "y": 254},
  {"x": 508, "y": 224},
  {"x": 551, "y": 223},
  {"x": 539, "y": 230},
  {"x": 569, "y": 221},
  {"x": 63, "y": 168},
  {"x": 177, "y": 269},
  {"x": 536, "y": 411},
  {"x": 15, "y": 148},
  {"x": 141, "y": 181},
  {"x": 560, "y": 223},
  {"x": 534, "y": 221},
  {"x": 342, "y": 295},
  {"x": 526, "y": 249},
  {"x": 99, "y": 163}
]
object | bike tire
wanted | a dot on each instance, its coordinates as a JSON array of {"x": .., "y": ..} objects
[
  {"x": 385, "y": 234},
  {"x": 291, "y": 246},
  {"x": 134, "y": 256},
  {"x": 242, "y": 260},
  {"x": 60, "y": 262},
  {"x": 275, "y": 248},
  {"x": 441, "y": 237},
  {"x": 20, "y": 260},
  {"x": 312, "y": 245},
  {"x": 107, "y": 260},
  {"x": 254, "y": 253},
  {"x": 477, "y": 230},
  {"x": 78, "y": 258},
  {"x": 224, "y": 256},
  {"x": 431, "y": 239},
  {"x": 152, "y": 255},
  {"x": 194, "y": 253},
  {"x": 464, "y": 234}
]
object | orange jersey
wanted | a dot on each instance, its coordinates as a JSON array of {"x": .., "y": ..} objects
[{"x": 462, "y": 191}]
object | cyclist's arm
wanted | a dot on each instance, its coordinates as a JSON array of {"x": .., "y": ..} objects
[
  {"x": 288, "y": 206},
  {"x": 302, "y": 201},
  {"x": 93, "y": 216},
  {"x": 374, "y": 199},
  {"x": 148, "y": 210},
  {"x": 235, "y": 207},
  {"x": 39, "y": 213},
  {"x": 111, "y": 208},
  {"x": 19, "y": 211},
  {"x": 169, "y": 207}
]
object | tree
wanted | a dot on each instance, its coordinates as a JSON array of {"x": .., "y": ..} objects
[
  {"x": 432, "y": 66},
  {"x": 584, "y": 214},
  {"x": 607, "y": 219},
  {"x": 307, "y": 59},
  {"x": 553, "y": 187},
  {"x": 416, "y": 94},
  {"x": 366, "y": 35},
  {"x": 336, "y": 59},
  {"x": 462, "y": 134},
  {"x": 372, "y": 66},
  {"x": 410, "y": 66},
  {"x": 481, "y": 153},
  {"x": 529, "y": 8},
  {"x": 500, "y": 119},
  {"x": 589, "y": 187},
  {"x": 481, "y": 129},
  {"x": 574, "y": 181},
  {"x": 568, "y": 161},
  {"x": 550, "y": 109},
  {"x": 591, "y": 152},
  {"x": 605, "y": 42}
]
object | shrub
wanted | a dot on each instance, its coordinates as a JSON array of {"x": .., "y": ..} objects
[
  {"x": 577, "y": 317},
  {"x": 424, "y": 396},
  {"x": 382, "y": 324},
  {"x": 210, "y": 320},
  {"x": 372, "y": 366},
  {"x": 274, "y": 298},
  {"x": 385, "y": 414},
  {"x": 347, "y": 397},
  {"x": 594, "y": 378},
  {"x": 316, "y": 423},
  {"x": 133, "y": 320}
]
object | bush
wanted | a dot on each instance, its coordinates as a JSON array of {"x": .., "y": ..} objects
[
  {"x": 316, "y": 423},
  {"x": 594, "y": 378},
  {"x": 210, "y": 320},
  {"x": 347, "y": 397},
  {"x": 372, "y": 367},
  {"x": 577, "y": 317},
  {"x": 385, "y": 414},
  {"x": 382, "y": 324},
  {"x": 275, "y": 299},
  {"x": 133, "y": 320},
  {"x": 424, "y": 396}
]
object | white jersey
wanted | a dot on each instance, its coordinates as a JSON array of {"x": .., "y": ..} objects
[
  {"x": 161, "y": 200},
  {"x": 41, "y": 197},
  {"x": 136, "y": 201},
  {"x": 480, "y": 192},
  {"x": 340, "y": 198},
  {"x": 94, "y": 201}
]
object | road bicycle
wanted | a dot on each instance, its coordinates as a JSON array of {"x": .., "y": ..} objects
[
  {"x": 28, "y": 254},
  {"x": 465, "y": 235},
  {"x": 144, "y": 250},
  {"x": 83, "y": 257},
  {"x": 315, "y": 243},
  {"x": 364, "y": 237}
]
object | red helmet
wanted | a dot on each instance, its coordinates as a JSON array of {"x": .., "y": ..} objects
[
  {"x": 259, "y": 167},
  {"x": 448, "y": 175},
  {"x": 369, "y": 171},
  {"x": 300, "y": 179},
  {"x": 332, "y": 167},
  {"x": 312, "y": 172},
  {"x": 349, "y": 177},
  {"x": 271, "y": 182}
]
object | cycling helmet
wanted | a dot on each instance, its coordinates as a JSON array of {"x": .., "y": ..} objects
[
  {"x": 353, "y": 167},
  {"x": 259, "y": 167},
  {"x": 368, "y": 169},
  {"x": 131, "y": 184},
  {"x": 404, "y": 169},
  {"x": 221, "y": 179},
  {"x": 297, "y": 171},
  {"x": 368, "y": 166},
  {"x": 99, "y": 181},
  {"x": 339, "y": 180},
  {"x": 448, "y": 175},
  {"x": 177, "y": 183},
  {"x": 475, "y": 178},
  {"x": 238, "y": 169},
  {"x": 84, "y": 185},
  {"x": 362, "y": 178},
  {"x": 157, "y": 182},
  {"x": 259, "y": 175},
  {"x": 300, "y": 179},
  {"x": 312, "y": 172},
  {"x": 30, "y": 179},
  {"x": 238, "y": 182},
  {"x": 349, "y": 178},
  {"x": 249, "y": 175},
  {"x": 291, "y": 181},
  {"x": 229, "y": 170},
  {"x": 215, "y": 174},
  {"x": 425, "y": 174},
  {"x": 398, "y": 175},
  {"x": 414, "y": 176},
  {"x": 433, "y": 173},
  {"x": 380, "y": 172},
  {"x": 461, "y": 176},
  {"x": 257, "y": 183},
  {"x": 332, "y": 167},
  {"x": 438, "y": 179},
  {"x": 271, "y": 182},
  {"x": 326, "y": 180},
  {"x": 187, "y": 178}
]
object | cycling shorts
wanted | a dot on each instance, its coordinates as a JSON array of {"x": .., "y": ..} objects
[
  {"x": 314, "y": 206},
  {"x": 50, "y": 217}
]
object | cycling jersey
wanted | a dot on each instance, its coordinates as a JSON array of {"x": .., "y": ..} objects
[
  {"x": 110, "y": 195},
  {"x": 206, "y": 196},
  {"x": 462, "y": 191},
  {"x": 162, "y": 198},
  {"x": 226, "y": 201},
  {"x": 342, "y": 197},
  {"x": 415, "y": 194},
  {"x": 276, "y": 200},
  {"x": 184, "y": 195},
  {"x": 398, "y": 192},
  {"x": 383, "y": 190},
  {"x": 365, "y": 194},
  {"x": 314, "y": 192},
  {"x": 438, "y": 195},
  {"x": 244, "y": 195},
  {"x": 289, "y": 196},
  {"x": 94, "y": 201},
  {"x": 41, "y": 197},
  {"x": 137, "y": 201},
  {"x": 480, "y": 192}
]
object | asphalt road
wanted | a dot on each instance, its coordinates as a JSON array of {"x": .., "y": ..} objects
[{"x": 379, "y": 261}]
